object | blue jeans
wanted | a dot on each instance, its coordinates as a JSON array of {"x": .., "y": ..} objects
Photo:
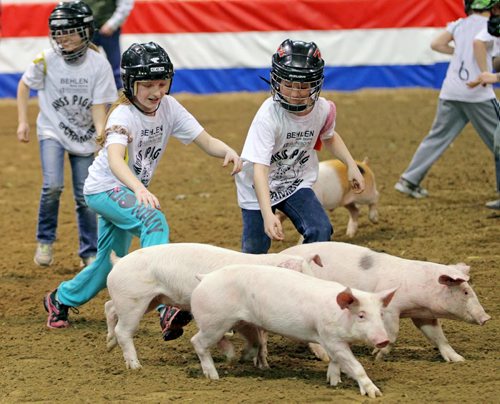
[
  {"x": 111, "y": 45},
  {"x": 302, "y": 208},
  {"x": 52, "y": 157},
  {"x": 120, "y": 218}
]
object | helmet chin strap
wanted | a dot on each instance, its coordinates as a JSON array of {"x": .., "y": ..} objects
[{"x": 141, "y": 110}]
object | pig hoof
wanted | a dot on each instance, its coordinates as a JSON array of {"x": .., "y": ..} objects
[
  {"x": 370, "y": 390},
  {"x": 133, "y": 364},
  {"x": 453, "y": 357},
  {"x": 111, "y": 343}
]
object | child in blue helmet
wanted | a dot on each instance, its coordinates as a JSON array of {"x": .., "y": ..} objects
[
  {"x": 280, "y": 162},
  {"x": 137, "y": 130}
]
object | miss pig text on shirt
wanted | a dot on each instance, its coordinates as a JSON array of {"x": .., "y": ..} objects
[{"x": 284, "y": 142}]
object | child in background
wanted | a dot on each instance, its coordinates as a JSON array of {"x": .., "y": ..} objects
[
  {"x": 138, "y": 128},
  {"x": 458, "y": 104},
  {"x": 280, "y": 163},
  {"x": 74, "y": 86},
  {"x": 487, "y": 38}
]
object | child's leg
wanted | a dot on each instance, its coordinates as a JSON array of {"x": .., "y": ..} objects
[
  {"x": 254, "y": 240},
  {"x": 307, "y": 215},
  {"x": 52, "y": 159},
  {"x": 86, "y": 218}
]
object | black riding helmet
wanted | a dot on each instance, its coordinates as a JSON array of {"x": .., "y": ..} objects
[
  {"x": 297, "y": 61},
  {"x": 146, "y": 61},
  {"x": 69, "y": 18}
]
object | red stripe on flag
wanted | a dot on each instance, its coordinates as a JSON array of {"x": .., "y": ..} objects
[{"x": 197, "y": 16}]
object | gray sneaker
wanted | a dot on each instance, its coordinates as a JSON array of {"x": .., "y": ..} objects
[
  {"x": 406, "y": 187},
  {"x": 493, "y": 204},
  {"x": 44, "y": 255}
]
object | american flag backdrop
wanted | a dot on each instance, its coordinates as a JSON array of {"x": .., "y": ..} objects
[{"x": 225, "y": 45}]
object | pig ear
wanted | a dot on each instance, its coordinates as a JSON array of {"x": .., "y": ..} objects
[
  {"x": 366, "y": 160},
  {"x": 290, "y": 264},
  {"x": 449, "y": 281},
  {"x": 387, "y": 295},
  {"x": 346, "y": 298},
  {"x": 461, "y": 266},
  {"x": 316, "y": 259}
]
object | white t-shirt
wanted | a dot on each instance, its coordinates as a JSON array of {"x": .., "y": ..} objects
[
  {"x": 463, "y": 66},
  {"x": 66, "y": 94},
  {"x": 285, "y": 142},
  {"x": 146, "y": 139},
  {"x": 490, "y": 41}
]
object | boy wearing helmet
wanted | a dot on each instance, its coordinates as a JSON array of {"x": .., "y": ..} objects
[
  {"x": 280, "y": 162},
  {"x": 74, "y": 86},
  {"x": 458, "y": 104},
  {"x": 136, "y": 133}
]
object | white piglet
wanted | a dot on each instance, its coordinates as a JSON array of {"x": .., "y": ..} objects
[
  {"x": 167, "y": 274},
  {"x": 427, "y": 290},
  {"x": 293, "y": 305}
]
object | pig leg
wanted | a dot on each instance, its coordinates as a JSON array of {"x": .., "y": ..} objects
[
  {"x": 111, "y": 321},
  {"x": 432, "y": 330},
  {"x": 256, "y": 344},
  {"x": 343, "y": 357},
  {"x": 352, "y": 225},
  {"x": 319, "y": 352},
  {"x": 202, "y": 341},
  {"x": 129, "y": 314},
  {"x": 333, "y": 373},
  {"x": 373, "y": 213}
]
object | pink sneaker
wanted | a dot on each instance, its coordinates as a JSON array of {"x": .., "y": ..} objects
[
  {"x": 58, "y": 312},
  {"x": 172, "y": 319}
]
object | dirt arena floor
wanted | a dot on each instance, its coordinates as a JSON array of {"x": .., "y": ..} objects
[{"x": 198, "y": 197}]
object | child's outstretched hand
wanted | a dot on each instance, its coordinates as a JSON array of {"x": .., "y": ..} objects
[
  {"x": 231, "y": 155},
  {"x": 356, "y": 179},
  {"x": 273, "y": 228},
  {"x": 484, "y": 78}
]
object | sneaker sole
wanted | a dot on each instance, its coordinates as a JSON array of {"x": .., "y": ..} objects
[{"x": 43, "y": 264}]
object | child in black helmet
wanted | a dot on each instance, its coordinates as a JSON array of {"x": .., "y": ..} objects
[
  {"x": 280, "y": 162},
  {"x": 75, "y": 84},
  {"x": 137, "y": 130}
]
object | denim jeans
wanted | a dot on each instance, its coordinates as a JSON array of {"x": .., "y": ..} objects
[
  {"x": 111, "y": 46},
  {"x": 52, "y": 157},
  {"x": 120, "y": 218},
  {"x": 302, "y": 208}
]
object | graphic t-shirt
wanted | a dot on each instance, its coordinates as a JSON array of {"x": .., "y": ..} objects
[
  {"x": 284, "y": 142},
  {"x": 463, "y": 66},
  {"x": 146, "y": 139},
  {"x": 66, "y": 94}
]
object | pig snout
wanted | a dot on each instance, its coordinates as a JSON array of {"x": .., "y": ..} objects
[
  {"x": 382, "y": 344},
  {"x": 483, "y": 319}
]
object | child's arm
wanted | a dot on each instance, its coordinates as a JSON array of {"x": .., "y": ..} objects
[
  {"x": 441, "y": 43},
  {"x": 23, "y": 127},
  {"x": 99, "y": 117},
  {"x": 117, "y": 164},
  {"x": 217, "y": 148},
  {"x": 339, "y": 150},
  {"x": 272, "y": 225}
]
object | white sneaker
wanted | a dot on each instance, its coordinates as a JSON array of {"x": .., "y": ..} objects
[
  {"x": 87, "y": 261},
  {"x": 406, "y": 187},
  {"x": 44, "y": 255},
  {"x": 493, "y": 204}
]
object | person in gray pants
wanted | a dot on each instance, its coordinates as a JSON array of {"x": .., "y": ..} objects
[{"x": 458, "y": 104}]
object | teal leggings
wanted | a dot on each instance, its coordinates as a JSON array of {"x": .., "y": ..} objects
[{"x": 120, "y": 218}]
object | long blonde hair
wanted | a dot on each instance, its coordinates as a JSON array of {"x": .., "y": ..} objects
[{"x": 122, "y": 100}]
